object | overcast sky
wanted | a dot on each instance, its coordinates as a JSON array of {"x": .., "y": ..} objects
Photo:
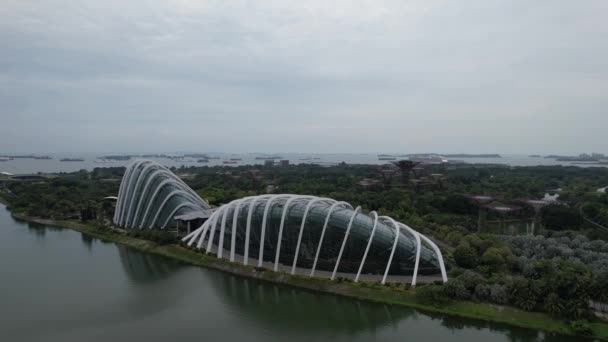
[{"x": 307, "y": 76}]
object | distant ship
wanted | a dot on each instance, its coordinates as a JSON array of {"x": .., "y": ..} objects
[
  {"x": 236, "y": 159},
  {"x": 204, "y": 160},
  {"x": 2, "y": 159},
  {"x": 387, "y": 158},
  {"x": 71, "y": 160},
  {"x": 230, "y": 162}
]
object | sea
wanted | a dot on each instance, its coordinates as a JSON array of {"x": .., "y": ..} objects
[{"x": 90, "y": 161}]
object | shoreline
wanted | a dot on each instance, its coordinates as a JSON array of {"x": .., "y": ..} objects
[{"x": 369, "y": 292}]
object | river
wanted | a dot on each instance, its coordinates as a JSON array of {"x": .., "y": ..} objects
[{"x": 61, "y": 285}]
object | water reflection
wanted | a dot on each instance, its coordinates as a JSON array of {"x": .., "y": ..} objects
[
  {"x": 162, "y": 292},
  {"x": 293, "y": 309},
  {"x": 146, "y": 268}
]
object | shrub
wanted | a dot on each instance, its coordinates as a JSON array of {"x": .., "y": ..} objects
[
  {"x": 581, "y": 328},
  {"x": 432, "y": 295},
  {"x": 465, "y": 256},
  {"x": 455, "y": 288}
]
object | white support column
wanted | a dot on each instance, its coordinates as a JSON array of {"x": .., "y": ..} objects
[
  {"x": 264, "y": 219},
  {"x": 444, "y": 275},
  {"x": 248, "y": 228},
  {"x": 235, "y": 219},
  {"x": 350, "y": 224},
  {"x": 123, "y": 193},
  {"x": 206, "y": 227},
  {"x": 129, "y": 190},
  {"x": 304, "y": 217},
  {"x": 140, "y": 177},
  {"x": 158, "y": 189},
  {"x": 418, "y": 248},
  {"x": 331, "y": 209},
  {"x": 173, "y": 193},
  {"x": 369, "y": 243},
  {"x": 190, "y": 235},
  {"x": 390, "y": 259},
  {"x": 213, "y": 227},
  {"x": 220, "y": 247},
  {"x": 279, "y": 240}
]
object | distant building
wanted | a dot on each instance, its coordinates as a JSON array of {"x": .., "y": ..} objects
[
  {"x": 269, "y": 162},
  {"x": 284, "y": 162},
  {"x": 369, "y": 183}
]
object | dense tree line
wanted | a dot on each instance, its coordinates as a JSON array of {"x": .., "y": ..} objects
[{"x": 558, "y": 271}]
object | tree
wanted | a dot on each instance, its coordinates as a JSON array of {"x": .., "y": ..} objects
[
  {"x": 559, "y": 217},
  {"x": 553, "y": 305},
  {"x": 465, "y": 256}
]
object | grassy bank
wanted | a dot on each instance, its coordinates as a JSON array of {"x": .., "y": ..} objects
[{"x": 363, "y": 291}]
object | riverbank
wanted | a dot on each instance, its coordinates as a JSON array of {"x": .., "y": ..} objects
[{"x": 362, "y": 291}]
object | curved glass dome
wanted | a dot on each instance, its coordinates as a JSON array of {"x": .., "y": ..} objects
[
  {"x": 317, "y": 237},
  {"x": 150, "y": 195}
]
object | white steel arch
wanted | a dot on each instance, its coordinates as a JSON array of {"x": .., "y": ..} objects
[
  {"x": 132, "y": 199},
  {"x": 331, "y": 210},
  {"x": 444, "y": 275},
  {"x": 160, "y": 186},
  {"x": 418, "y": 248},
  {"x": 133, "y": 181},
  {"x": 122, "y": 190},
  {"x": 173, "y": 193},
  {"x": 182, "y": 205},
  {"x": 350, "y": 224},
  {"x": 248, "y": 227},
  {"x": 369, "y": 243},
  {"x": 264, "y": 221},
  {"x": 234, "y": 226},
  {"x": 304, "y": 217},
  {"x": 390, "y": 259},
  {"x": 279, "y": 240},
  {"x": 213, "y": 227},
  {"x": 220, "y": 247}
]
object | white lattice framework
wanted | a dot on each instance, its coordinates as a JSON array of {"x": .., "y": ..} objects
[{"x": 145, "y": 192}]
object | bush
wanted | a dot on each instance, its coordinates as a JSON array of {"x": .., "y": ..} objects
[
  {"x": 432, "y": 295},
  {"x": 465, "y": 256},
  {"x": 498, "y": 294},
  {"x": 455, "y": 288},
  {"x": 482, "y": 292},
  {"x": 581, "y": 328}
]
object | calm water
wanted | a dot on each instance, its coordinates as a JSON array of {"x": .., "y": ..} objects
[
  {"x": 22, "y": 166},
  {"x": 60, "y": 285}
]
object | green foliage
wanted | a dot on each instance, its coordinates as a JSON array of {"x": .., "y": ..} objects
[
  {"x": 432, "y": 295},
  {"x": 581, "y": 328},
  {"x": 561, "y": 217},
  {"x": 465, "y": 256}
]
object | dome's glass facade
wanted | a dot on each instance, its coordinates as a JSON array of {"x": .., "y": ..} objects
[
  {"x": 316, "y": 236},
  {"x": 297, "y": 234}
]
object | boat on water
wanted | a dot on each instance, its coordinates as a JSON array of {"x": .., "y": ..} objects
[
  {"x": 204, "y": 160},
  {"x": 230, "y": 162},
  {"x": 71, "y": 160},
  {"x": 236, "y": 159},
  {"x": 387, "y": 158},
  {"x": 2, "y": 159}
]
